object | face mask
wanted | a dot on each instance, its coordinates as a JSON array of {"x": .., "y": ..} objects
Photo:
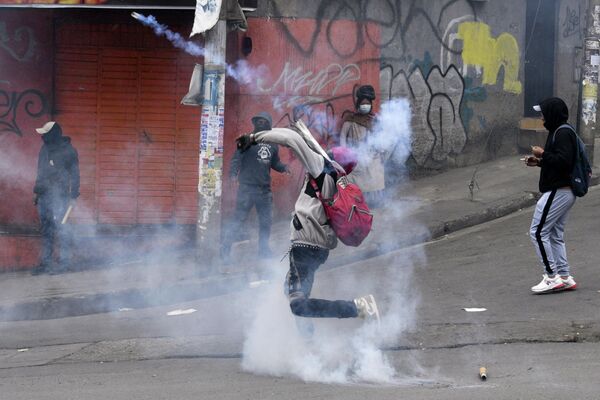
[
  {"x": 364, "y": 108},
  {"x": 547, "y": 126}
]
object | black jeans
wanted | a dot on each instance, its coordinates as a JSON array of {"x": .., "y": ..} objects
[
  {"x": 304, "y": 262},
  {"x": 250, "y": 196},
  {"x": 52, "y": 209}
]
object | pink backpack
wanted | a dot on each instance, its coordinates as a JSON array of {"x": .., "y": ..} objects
[{"x": 347, "y": 211}]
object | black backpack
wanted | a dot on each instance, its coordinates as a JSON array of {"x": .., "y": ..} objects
[{"x": 582, "y": 172}]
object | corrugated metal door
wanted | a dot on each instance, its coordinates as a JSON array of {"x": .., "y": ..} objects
[{"x": 138, "y": 146}]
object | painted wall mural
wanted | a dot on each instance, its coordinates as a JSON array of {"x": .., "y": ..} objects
[{"x": 480, "y": 49}]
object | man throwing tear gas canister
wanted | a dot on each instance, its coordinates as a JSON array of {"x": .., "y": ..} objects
[{"x": 312, "y": 235}]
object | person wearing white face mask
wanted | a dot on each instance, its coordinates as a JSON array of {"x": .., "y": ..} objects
[{"x": 369, "y": 174}]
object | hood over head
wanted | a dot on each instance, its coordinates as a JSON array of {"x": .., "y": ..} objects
[
  {"x": 264, "y": 115},
  {"x": 555, "y": 112}
]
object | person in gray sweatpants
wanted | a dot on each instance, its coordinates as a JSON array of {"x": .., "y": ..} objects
[{"x": 556, "y": 161}]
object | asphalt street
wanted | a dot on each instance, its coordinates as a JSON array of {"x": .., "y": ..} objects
[{"x": 533, "y": 346}]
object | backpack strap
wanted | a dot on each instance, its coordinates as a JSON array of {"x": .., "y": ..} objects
[
  {"x": 578, "y": 148},
  {"x": 314, "y": 185},
  {"x": 568, "y": 126}
]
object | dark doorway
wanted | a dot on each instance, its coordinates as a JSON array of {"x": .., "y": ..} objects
[{"x": 539, "y": 57}]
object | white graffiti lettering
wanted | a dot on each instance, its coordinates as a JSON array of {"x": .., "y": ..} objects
[{"x": 293, "y": 81}]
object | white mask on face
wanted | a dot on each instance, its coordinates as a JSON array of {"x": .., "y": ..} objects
[{"x": 364, "y": 108}]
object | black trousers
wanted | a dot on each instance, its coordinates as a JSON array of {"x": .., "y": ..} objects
[
  {"x": 51, "y": 209},
  {"x": 249, "y": 197},
  {"x": 304, "y": 262}
]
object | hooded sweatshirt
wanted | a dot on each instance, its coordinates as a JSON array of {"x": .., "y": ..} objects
[
  {"x": 309, "y": 225},
  {"x": 253, "y": 166},
  {"x": 559, "y": 151},
  {"x": 58, "y": 166}
]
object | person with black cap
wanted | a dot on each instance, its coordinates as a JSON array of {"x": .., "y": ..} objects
[
  {"x": 369, "y": 174},
  {"x": 556, "y": 161},
  {"x": 56, "y": 187},
  {"x": 251, "y": 170}
]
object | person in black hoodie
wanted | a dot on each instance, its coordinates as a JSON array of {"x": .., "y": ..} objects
[
  {"x": 252, "y": 170},
  {"x": 56, "y": 186},
  {"x": 556, "y": 162}
]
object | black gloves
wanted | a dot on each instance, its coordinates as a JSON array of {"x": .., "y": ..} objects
[{"x": 244, "y": 142}]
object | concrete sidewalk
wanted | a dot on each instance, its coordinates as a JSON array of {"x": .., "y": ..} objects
[{"x": 422, "y": 210}]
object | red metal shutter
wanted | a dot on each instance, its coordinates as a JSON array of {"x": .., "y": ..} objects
[{"x": 138, "y": 146}]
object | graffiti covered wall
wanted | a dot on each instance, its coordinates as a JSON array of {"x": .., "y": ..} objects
[
  {"x": 307, "y": 73},
  {"x": 460, "y": 63},
  {"x": 25, "y": 89}
]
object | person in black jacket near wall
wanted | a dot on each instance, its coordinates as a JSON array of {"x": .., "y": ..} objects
[
  {"x": 252, "y": 170},
  {"x": 56, "y": 186},
  {"x": 556, "y": 161}
]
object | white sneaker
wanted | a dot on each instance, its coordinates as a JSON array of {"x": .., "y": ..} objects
[
  {"x": 569, "y": 283},
  {"x": 367, "y": 307},
  {"x": 548, "y": 285}
]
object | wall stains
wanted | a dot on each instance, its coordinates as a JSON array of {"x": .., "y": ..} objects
[
  {"x": 31, "y": 101},
  {"x": 481, "y": 50}
]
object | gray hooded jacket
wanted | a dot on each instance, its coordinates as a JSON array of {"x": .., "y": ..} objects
[{"x": 309, "y": 225}]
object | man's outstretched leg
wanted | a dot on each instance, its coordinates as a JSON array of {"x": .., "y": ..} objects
[{"x": 304, "y": 261}]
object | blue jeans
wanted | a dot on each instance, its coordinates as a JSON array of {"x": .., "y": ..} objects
[
  {"x": 304, "y": 262},
  {"x": 52, "y": 209}
]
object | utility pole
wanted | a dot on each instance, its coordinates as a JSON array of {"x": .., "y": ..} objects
[
  {"x": 589, "y": 78},
  {"x": 208, "y": 227}
]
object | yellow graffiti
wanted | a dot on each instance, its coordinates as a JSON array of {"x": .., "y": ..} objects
[{"x": 482, "y": 50}]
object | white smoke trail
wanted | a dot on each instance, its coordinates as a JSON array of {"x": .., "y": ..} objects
[
  {"x": 242, "y": 71},
  {"x": 175, "y": 38},
  {"x": 338, "y": 351}
]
